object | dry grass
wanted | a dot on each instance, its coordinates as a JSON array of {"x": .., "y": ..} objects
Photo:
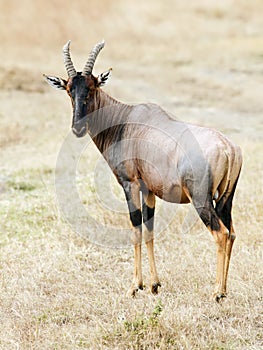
[{"x": 203, "y": 62}]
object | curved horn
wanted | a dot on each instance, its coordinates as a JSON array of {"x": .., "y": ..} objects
[
  {"x": 87, "y": 70},
  {"x": 67, "y": 60}
]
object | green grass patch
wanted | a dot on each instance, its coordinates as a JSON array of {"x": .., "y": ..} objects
[
  {"x": 143, "y": 323},
  {"x": 21, "y": 186}
]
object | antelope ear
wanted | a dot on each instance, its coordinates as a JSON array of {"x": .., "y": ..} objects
[
  {"x": 104, "y": 77},
  {"x": 56, "y": 82}
]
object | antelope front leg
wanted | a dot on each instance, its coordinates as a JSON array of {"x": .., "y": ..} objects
[
  {"x": 137, "y": 274},
  {"x": 132, "y": 193},
  {"x": 148, "y": 219}
]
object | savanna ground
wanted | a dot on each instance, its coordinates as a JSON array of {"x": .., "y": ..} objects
[{"x": 202, "y": 61}]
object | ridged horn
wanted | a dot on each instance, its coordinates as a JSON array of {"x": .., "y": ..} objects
[
  {"x": 67, "y": 60},
  {"x": 87, "y": 70}
]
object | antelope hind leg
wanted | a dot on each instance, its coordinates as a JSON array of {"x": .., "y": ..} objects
[{"x": 221, "y": 236}]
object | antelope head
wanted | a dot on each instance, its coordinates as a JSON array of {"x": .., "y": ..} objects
[{"x": 80, "y": 86}]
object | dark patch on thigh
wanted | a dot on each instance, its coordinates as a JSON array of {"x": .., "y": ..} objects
[
  {"x": 148, "y": 216},
  {"x": 136, "y": 217},
  {"x": 208, "y": 215}
]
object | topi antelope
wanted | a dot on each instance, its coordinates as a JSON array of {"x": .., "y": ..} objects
[{"x": 151, "y": 154}]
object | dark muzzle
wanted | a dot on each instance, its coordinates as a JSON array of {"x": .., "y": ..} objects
[{"x": 79, "y": 128}]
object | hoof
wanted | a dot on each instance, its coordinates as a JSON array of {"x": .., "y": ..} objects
[
  {"x": 134, "y": 289},
  {"x": 219, "y": 297},
  {"x": 154, "y": 287}
]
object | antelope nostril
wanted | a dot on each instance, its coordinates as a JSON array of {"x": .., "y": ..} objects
[{"x": 79, "y": 132}]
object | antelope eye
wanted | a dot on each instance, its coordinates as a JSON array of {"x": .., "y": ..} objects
[{"x": 72, "y": 91}]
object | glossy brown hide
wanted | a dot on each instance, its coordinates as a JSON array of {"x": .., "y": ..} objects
[
  {"x": 178, "y": 162},
  {"x": 172, "y": 158}
]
